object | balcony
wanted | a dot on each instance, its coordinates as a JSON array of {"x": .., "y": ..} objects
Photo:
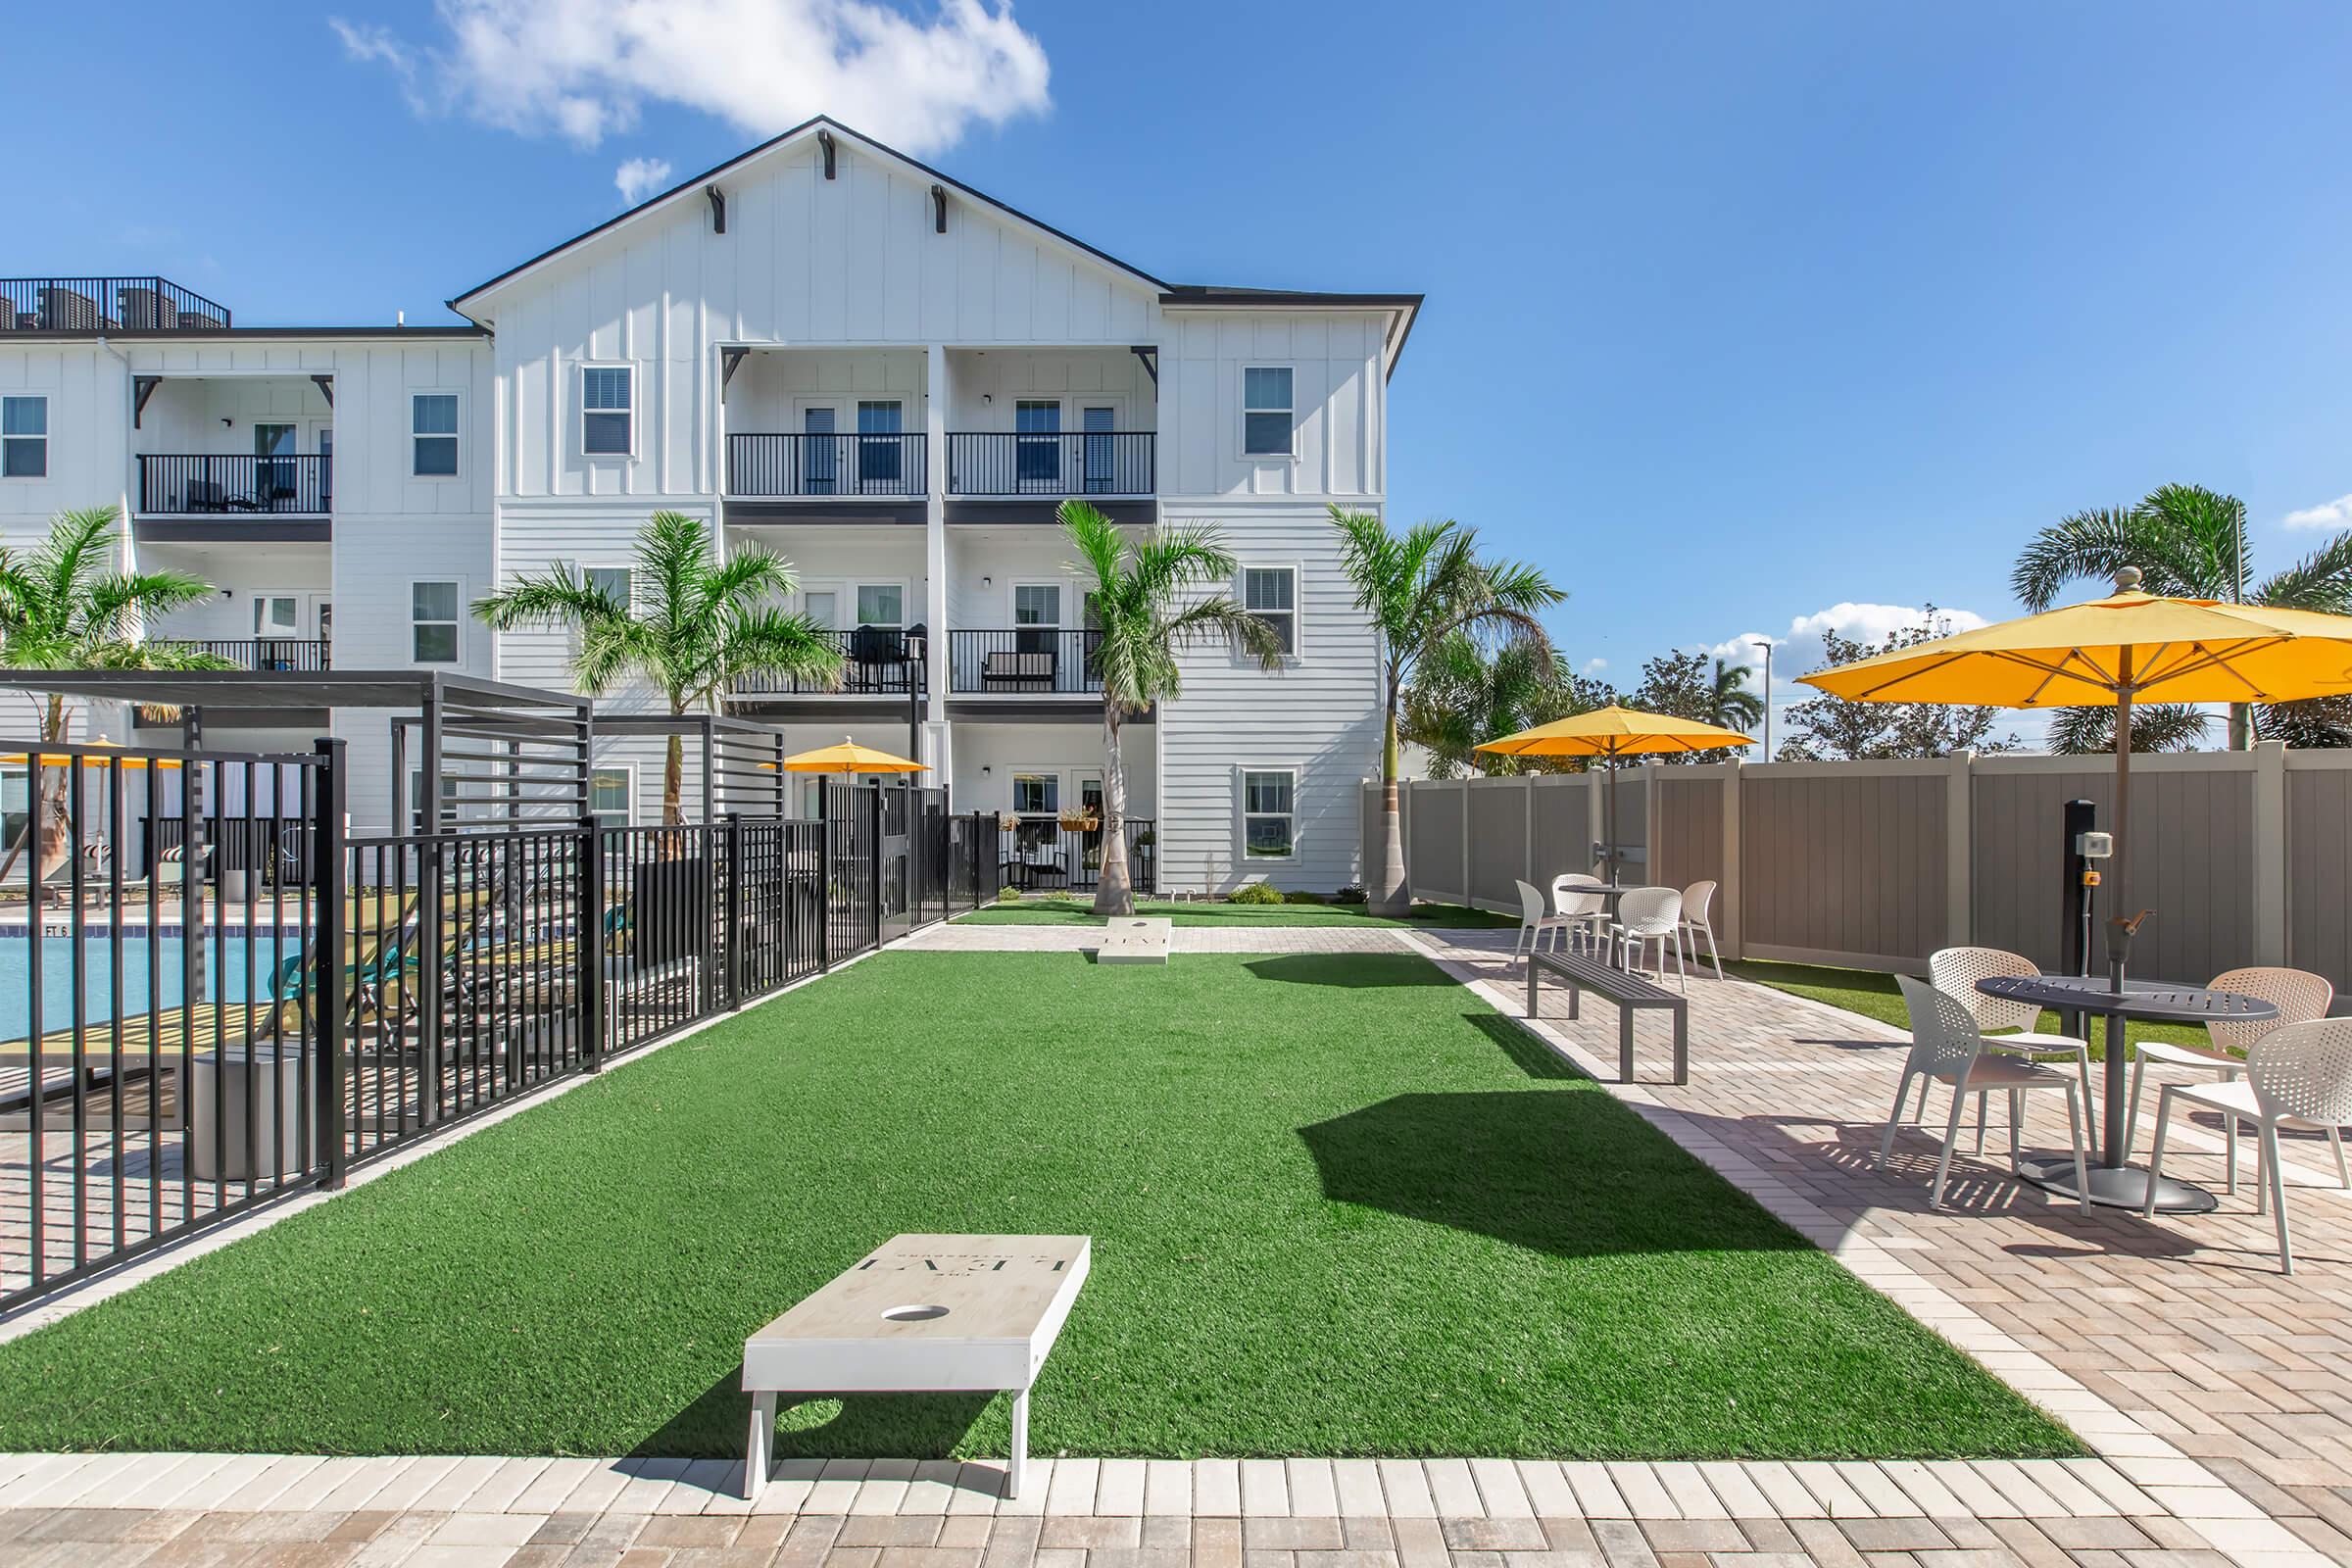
[
  {"x": 875, "y": 661},
  {"x": 826, "y": 467},
  {"x": 296, "y": 654},
  {"x": 1028, "y": 662},
  {"x": 212, "y": 485},
  {"x": 105, "y": 305},
  {"x": 1088, "y": 463}
]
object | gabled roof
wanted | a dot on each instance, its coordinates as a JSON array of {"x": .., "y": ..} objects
[{"x": 694, "y": 183}]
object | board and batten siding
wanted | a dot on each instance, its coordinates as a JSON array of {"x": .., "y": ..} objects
[{"x": 1338, "y": 396}]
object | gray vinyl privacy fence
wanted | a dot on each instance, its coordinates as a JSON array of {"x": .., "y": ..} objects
[{"x": 2244, "y": 856}]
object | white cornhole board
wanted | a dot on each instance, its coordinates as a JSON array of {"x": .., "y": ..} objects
[
  {"x": 1135, "y": 939},
  {"x": 921, "y": 1314}
]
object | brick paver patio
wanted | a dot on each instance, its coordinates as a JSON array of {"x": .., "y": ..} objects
[{"x": 2211, "y": 1389}]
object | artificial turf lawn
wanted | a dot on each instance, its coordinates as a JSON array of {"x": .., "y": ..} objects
[
  {"x": 1047, "y": 909},
  {"x": 1873, "y": 994},
  {"x": 1339, "y": 1206}
]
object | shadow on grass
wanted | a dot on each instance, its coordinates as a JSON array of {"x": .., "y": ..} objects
[
  {"x": 1528, "y": 1053},
  {"x": 1352, "y": 971},
  {"x": 915, "y": 1426},
  {"x": 1558, "y": 1172}
]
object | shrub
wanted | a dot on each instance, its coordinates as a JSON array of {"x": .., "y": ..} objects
[
  {"x": 1351, "y": 893},
  {"x": 1008, "y": 893},
  {"x": 1255, "y": 893},
  {"x": 1302, "y": 896}
]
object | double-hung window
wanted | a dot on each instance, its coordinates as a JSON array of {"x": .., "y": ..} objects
[
  {"x": 433, "y": 435},
  {"x": 433, "y": 622},
  {"x": 881, "y": 604},
  {"x": 610, "y": 792},
  {"x": 612, "y": 581},
  {"x": 1269, "y": 817},
  {"x": 1036, "y": 794},
  {"x": 23, "y": 438},
  {"x": 1267, "y": 417},
  {"x": 608, "y": 410},
  {"x": 1271, "y": 594}
]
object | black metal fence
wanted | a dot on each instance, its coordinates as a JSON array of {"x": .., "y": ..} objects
[
  {"x": 214, "y": 484},
  {"x": 187, "y": 1035},
  {"x": 1077, "y": 463},
  {"x": 105, "y": 305},
  {"x": 1026, "y": 659},
  {"x": 874, "y": 661},
  {"x": 1041, "y": 856},
  {"x": 789, "y": 465},
  {"x": 306, "y": 653}
]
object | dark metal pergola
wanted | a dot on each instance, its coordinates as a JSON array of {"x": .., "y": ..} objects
[
  {"x": 536, "y": 744},
  {"x": 740, "y": 761}
]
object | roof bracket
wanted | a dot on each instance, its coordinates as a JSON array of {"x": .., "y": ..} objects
[
  {"x": 939, "y": 209},
  {"x": 719, "y": 209},
  {"x": 142, "y": 388},
  {"x": 825, "y": 142},
  {"x": 1150, "y": 355},
  {"x": 326, "y": 388},
  {"x": 729, "y": 360}
]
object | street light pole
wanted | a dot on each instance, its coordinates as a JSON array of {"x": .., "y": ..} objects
[{"x": 1767, "y": 647}]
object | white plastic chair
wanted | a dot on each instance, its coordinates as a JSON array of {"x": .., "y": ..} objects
[
  {"x": 1947, "y": 1048},
  {"x": 1955, "y": 972},
  {"x": 1534, "y": 922},
  {"x": 1588, "y": 914},
  {"x": 1646, "y": 915},
  {"x": 1697, "y": 899},
  {"x": 2299, "y": 1077},
  {"x": 2299, "y": 997}
]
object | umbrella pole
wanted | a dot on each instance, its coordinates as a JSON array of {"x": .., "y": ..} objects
[{"x": 2119, "y": 935}]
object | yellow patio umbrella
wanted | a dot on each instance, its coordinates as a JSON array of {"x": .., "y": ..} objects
[
  {"x": 118, "y": 758},
  {"x": 1613, "y": 732},
  {"x": 2131, "y": 647},
  {"x": 849, "y": 757}
]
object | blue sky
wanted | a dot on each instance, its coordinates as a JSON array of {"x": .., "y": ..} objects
[{"x": 1737, "y": 313}]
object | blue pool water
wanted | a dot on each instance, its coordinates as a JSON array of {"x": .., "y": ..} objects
[{"x": 231, "y": 978}]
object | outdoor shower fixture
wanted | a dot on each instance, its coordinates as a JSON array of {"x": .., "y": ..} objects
[{"x": 2085, "y": 848}]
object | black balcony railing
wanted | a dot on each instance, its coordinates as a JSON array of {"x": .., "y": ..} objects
[
  {"x": 207, "y": 485},
  {"x": 105, "y": 305},
  {"x": 876, "y": 661},
  {"x": 1040, "y": 855},
  {"x": 1088, "y": 463},
  {"x": 792, "y": 465},
  {"x": 1028, "y": 660},
  {"x": 259, "y": 653}
]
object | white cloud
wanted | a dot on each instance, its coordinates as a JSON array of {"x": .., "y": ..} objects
[
  {"x": 1800, "y": 649},
  {"x": 2336, "y": 514},
  {"x": 1593, "y": 667},
  {"x": 640, "y": 177},
  {"x": 586, "y": 68}
]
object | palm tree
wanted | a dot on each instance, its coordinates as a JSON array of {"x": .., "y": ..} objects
[
  {"x": 704, "y": 623},
  {"x": 1463, "y": 694},
  {"x": 1730, "y": 703},
  {"x": 69, "y": 606},
  {"x": 1418, "y": 588},
  {"x": 1144, "y": 615},
  {"x": 2155, "y": 727},
  {"x": 2189, "y": 541}
]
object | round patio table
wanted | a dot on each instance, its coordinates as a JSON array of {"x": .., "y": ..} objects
[{"x": 2114, "y": 1183}]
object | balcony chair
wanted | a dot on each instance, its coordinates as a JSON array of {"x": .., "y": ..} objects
[
  {"x": 2299, "y": 997},
  {"x": 1004, "y": 667},
  {"x": 1947, "y": 1048},
  {"x": 2299, "y": 1077}
]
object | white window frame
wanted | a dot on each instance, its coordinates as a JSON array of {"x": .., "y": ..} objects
[
  {"x": 262, "y": 596},
  {"x": 42, "y": 398},
  {"x": 1289, "y": 453},
  {"x": 1061, "y": 599},
  {"x": 906, "y": 602},
  {"x": 833, "y": 586},
  {"x": 456, "y": 661},
  {"x": 627, "y": 770},
  {"x": 584, "y": 567},
  {"x": 580, "y": 403},
  {"x": 1241, "y": 594},
  {"x": 456, "y": 438},
  {"x": 1243, "y": 814},
  {"x": 1012, "y": 790}
]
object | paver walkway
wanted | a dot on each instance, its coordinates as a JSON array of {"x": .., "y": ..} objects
[{"x": 2213, "y": 1389}]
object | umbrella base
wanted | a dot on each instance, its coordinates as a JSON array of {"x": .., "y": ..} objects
[{"x": 2120, "y": 1187}]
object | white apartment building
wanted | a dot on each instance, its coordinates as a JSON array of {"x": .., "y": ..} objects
[{"x": 825, "y": 349}]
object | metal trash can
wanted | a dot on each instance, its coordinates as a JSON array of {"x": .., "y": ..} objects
[{"x": 222, "y": 1095}]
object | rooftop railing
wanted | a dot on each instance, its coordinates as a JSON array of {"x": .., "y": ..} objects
[{"x": 105, "y": 305}]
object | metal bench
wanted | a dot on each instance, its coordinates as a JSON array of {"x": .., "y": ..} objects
[
  {"x": 1630, "y": 991},
  {"x": 1029, "y": 671}
]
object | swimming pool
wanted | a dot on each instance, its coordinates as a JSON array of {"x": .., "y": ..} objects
[{"x": 230, "y": 977}]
